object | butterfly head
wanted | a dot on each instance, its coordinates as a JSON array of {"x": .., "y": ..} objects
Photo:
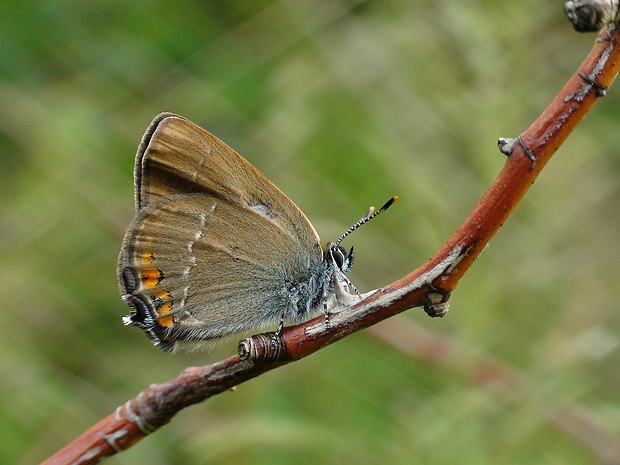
[
  {"x": 339, "y": 257},
  {"x": 336, "y": 257}
]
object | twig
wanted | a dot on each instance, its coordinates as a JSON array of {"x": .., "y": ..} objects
[{"x": 428, "y": 286}]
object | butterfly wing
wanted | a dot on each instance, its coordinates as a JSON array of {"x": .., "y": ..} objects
[
  {"x": 215, "y": 248},
  {"x": 178, "y": 156}
]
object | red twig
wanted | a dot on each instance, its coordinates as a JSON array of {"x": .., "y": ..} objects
[{"x": 428, "y": 286}]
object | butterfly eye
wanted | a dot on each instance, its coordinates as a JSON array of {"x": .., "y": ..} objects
[
  {"x": 339, "y": 256},
  {"x": 343, "y": 261}
]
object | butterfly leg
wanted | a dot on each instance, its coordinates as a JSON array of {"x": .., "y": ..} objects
[
  {"x": 325, "y": 309},
  {"x": 280, "y": 325},
  {"x": 278, "y": 333},
  {"x": 351, "y": 285},
  {"x": 326, "y": 316}
]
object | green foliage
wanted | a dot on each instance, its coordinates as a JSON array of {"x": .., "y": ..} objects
[{"x": 342, "y": 103}]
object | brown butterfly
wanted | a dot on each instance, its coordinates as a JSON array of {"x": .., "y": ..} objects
[{"x": 215, "y": 248}]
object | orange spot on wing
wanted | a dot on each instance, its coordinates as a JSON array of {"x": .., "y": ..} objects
[
  {"x": 164, "y": 308},
  {"x": 151, "y": 276},
  {"x": 147, "y": 258},
  {"x": 162, "y": 294}
]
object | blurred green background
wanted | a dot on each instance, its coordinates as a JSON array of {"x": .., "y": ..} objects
[{"x": 341, "y": 103}]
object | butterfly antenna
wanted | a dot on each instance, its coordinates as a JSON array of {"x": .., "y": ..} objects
[{"x": 370, "y": 214}]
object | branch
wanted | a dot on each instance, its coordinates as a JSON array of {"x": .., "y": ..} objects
[{"x": 428, "y": 286}]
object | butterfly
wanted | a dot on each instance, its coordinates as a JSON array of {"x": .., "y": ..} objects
[{"x": 215, "y": 249}]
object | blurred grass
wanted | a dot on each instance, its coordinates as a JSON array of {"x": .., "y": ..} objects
[{"x": 342, "y": 103}]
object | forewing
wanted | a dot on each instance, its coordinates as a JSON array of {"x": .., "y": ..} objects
[
  {"x": 177, "y": 156},
  {"x": 195, "y": 266}
]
